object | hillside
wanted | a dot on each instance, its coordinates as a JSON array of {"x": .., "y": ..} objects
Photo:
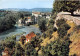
[
  {"x": 74, "y": 31},
  {"x": 30, "y": 10}
]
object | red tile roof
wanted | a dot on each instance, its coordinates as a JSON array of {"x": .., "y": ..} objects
[
  {"x": 30, "y": 35},
  {"x": 29, "y": 17},
  {"x": 36, "y": 12}
]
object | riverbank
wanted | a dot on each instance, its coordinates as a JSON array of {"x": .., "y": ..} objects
[
  {"x": 14, "y": 31},
  {"x": 36, "y": 25}
]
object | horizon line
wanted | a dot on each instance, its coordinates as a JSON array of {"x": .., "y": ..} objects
[{"x": 20, "y": 8}]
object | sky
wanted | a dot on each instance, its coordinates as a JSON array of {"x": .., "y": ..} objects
[{"x": 28, "y": 4}]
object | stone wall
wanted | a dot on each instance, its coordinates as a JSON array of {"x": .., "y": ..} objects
[{"x": 67, "y": 16}]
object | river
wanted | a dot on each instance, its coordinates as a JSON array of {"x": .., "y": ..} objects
[{"x": 17, "y": 30}]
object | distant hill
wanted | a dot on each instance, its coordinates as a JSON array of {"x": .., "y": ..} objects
[{"x": 30, "y": 10}]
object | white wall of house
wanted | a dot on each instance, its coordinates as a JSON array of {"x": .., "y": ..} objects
[
  {"x": 29, "y": 20},
  {"x": 36, "y": 15},
  {"x": 40, "y": 15},
  {"x": 20, "y": 21},
  {"x": 48, "y": 17}
]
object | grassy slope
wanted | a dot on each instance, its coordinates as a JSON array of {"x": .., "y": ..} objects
[
  {"x": 47, "y": 40},
  {"x": 75, "y": 38}
]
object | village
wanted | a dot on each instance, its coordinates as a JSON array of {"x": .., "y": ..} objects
[
  {"x": 26, "y": 21},
  {"x": 33, "y": 19}
]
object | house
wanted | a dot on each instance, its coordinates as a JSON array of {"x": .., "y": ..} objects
[
  {"x": 28, "y": 20},
  {"x": 36, "y": 14},
  {"x": 48, "y": 15},
  {"x": 29, "y": 36},
  {"x": 25, "y": 21},
  {"x": 6, "y": 52},
  {"x": 24, "y": 39}
]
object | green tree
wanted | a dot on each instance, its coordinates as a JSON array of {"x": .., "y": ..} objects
[
  {"x": 42, "y": 24},
  {"x": 66, "y": 5},
  {"x": 10, "y": 43},
  {"x": 59, "y": 47},
  {"x": 19, "y": 51},
  {"x": 30, "y": 50},
  {"x": 62, "y": 27},
  {"x": 60, "y": 22},
  {"x": 8, "y": 21},
  {"x": 23, "y": 39},
  {"x": 33, "y": 19}
]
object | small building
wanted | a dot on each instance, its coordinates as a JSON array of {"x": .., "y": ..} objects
[
  {"x": 28, "y": 20},
  {"x": 29, "y": 36},
  {"x": 6, "y": 52},
  {"x": 48, "y": 15},
  {"x": 36, "y": 14}
]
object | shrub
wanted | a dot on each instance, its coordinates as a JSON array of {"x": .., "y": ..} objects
[
  {"x": 56, "y": 48},
  {"x": 54, "y": 29},
  {"x": 22, "y": 39},
  {"x": 62, "y": 32},
  {"x": 42, "y": 25},
  {"x": 60, "y": 22},
  {"x": 51, "y": 22},
  {"x": 63, "y": 27}
]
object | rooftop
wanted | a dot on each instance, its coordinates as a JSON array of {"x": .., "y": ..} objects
[{"x": 30, "y": 35}]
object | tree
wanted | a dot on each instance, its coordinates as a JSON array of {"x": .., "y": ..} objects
[
  {"x": 60, "y": 22},
  {"x": 59, "y": 47},
  {"x": 8, "y": 21},
  {"x": 62, "y": 27},
  {"x": 42, "y": 24},
  {"x": 62, "y": 32},
  {"x": 30, "y": 50},
  {"x": 51, "y": 22},
  {"x": 19, "y": 50},
  {"x": 66, "y": 5},
  {"x": 33, "y": 19},
  {"x": 22, "y": 39}
]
